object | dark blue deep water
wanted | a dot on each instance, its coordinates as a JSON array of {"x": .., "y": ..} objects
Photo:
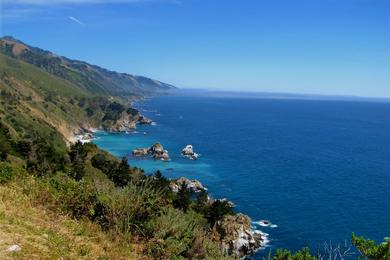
[{"x": 319, "y": 170}]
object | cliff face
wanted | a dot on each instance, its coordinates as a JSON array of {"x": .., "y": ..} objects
[{"x": 235, "y": 235}]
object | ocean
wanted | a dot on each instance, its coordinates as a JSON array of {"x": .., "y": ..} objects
[{"x": 318, "y": 170}]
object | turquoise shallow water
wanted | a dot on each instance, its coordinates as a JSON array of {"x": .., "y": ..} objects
[{"x": 320, "y": 170}]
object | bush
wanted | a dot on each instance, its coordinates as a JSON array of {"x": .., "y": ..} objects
[
  {"x": 175, "y": 233},
  {"x": 77, "y": 198},
  {"x": 77, "y": 156},
  {"x": 217, "y": 210},
  {"x": 127, "y": 209},
  {"x": 6, "y": 172},
  {"x": 369, "y": 249},
  {"x": 303, "y": 254},
  {"x": 119, "y": 173},
  {"x": 183, "y": 199}
]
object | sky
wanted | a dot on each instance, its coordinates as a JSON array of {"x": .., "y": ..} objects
[{"x": 339, "y": 47}]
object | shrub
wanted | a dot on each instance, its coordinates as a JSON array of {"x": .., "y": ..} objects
[
  {"x": 369, "y": 249},
  {"x": 113, "y": 112},
  {"x": 6, "y": 172},
  {"x": 183, "y": 199},
  {"x": 77, "y": 156},
  {"x": 217, "y": 210},
  {"x": 127, "y": 209},
  {"x": 175, "y": 232},
  {"x": 3, "y": 153},
  {"x": 119, "y": 173},
  {"x": 77, "y": 198}
]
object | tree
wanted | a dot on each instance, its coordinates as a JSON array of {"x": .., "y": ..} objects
[
  {"x": 121, "y": 176},
  {"x": 183, "y": 199},
  {"x": 369, "y": 249},
  {"x": 3, "y": 154},
  {"x": 77, "y": 156},
  {"x": 201, "y": 202},
  {"x": 23, "y": 147},
  {"x": 218, "y": 210}
]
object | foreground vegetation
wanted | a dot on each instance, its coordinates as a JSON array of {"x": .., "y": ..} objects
[
  {"x": 98, "y": 206},
  {"x": 119, "y": 201}
]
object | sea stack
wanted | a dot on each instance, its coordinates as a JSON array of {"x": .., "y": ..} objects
[
  {"x": 188, "y": 152},
  {"x": 158, "y": 152}
]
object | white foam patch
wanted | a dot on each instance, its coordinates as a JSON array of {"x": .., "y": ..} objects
[
  {"x": 265, "y": 223},
  {"x": 265, "y": 240}
]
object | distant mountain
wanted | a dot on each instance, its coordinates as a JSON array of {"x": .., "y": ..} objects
[
  {"x": 45, "y": 96},
  {"x": 91, "y": 78}
]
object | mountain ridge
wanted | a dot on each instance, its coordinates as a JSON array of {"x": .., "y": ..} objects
[{"x": 93, "y": 78}]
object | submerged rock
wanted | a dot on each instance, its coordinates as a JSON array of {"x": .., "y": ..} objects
[
  {"x": 188, "y": 152},
  {"x": 236, "y": 236}
]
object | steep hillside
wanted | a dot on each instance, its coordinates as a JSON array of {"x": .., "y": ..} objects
[
  {"x": 34, "y": 103},
  {"x": 88, "y": 77}
]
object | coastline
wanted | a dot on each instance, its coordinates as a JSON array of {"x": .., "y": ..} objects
[{"x": 245, "y": 235}]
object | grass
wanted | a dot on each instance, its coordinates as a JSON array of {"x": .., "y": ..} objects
[{"x": 47, "y": 234}]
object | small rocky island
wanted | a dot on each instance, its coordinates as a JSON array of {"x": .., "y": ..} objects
[
  {"x": 157, "y": 151},
  {"x": 188, "y": 152},
  {"x": 191, "y": 185}
]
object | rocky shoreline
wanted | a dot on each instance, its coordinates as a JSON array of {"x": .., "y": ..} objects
[{"x": 235, "y": 233}]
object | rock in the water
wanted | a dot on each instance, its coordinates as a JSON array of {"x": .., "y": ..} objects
[
  {"x": 14, "y": 248},
  {"x": 158, "y": 152},
  {"x": 235, "y": 235},
  {"x": 188, "y": 152},
  {"x": 140, "y": 152},
  {"x": 143, "y": 120},
  {"x": 191, "y": 185}
]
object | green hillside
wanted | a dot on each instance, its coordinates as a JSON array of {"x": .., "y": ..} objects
[{"x": 88, "y": 77}]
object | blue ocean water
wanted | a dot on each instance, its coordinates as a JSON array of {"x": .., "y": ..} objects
[{"x": 319, "y": 170}]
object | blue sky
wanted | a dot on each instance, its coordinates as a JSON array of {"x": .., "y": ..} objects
[{"x": 298, "y": 46}]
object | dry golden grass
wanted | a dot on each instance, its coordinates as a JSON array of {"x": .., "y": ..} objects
[{"x": 43, "y": 234}]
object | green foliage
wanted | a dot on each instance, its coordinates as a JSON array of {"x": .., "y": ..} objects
[
  {"x": 119, "y": 173},
  {"x": 217, "y": 210},
  {"x": 77, "y": 156},
  {"x": 127, "y": 209},
  {"x": 162, "y": 183},
  {"x": 303, "y": 254},
  {"x": 44, "y": 160},
  {"x": 177, "y": 234},
  {"x": 113, "y": 112},
  {"x": 76, "y": 197},
  {"x": 6, "y": 172},
  {"x": 87, "y": 77},
  {"x": 201, "y": 202},
  {"x": 183, "y": 199},
  {"x": 368, "y": 248}
]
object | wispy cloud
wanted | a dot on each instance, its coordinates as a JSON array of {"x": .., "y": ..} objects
[
  {"x": 55, "y": 2},
  {"x": 74, "y": 19}
]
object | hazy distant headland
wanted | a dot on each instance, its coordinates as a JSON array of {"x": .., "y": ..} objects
[{"x": 273, "y": 95}]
